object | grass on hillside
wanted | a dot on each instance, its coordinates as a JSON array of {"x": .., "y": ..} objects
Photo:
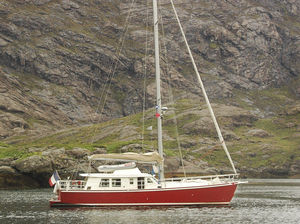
[{"x": 278, "y": 149}]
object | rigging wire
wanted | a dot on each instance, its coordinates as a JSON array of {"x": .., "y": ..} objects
[
  {"x": 114, "y": 67},
  {"x": 75, "y": 171},
  {"x": 203, "y": 90},
  {"x": 145, "y": 75},
  {"x": 170, "y": 91}
]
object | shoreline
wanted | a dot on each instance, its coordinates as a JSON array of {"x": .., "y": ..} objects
[{"x": 24, "y": 182}]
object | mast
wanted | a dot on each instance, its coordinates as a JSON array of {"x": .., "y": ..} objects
[{"x": 158, "y": 95}]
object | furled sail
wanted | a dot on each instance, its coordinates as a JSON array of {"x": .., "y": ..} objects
[{"x": 150, "y": 157}]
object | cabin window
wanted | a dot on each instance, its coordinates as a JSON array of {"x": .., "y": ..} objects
[
  {"x": 141, "y": 182},
  {"x": 116, "y": 182},
  {"x": 149, "y": 181},
  {"x": 131, "y": 181},
  {"x": 104, "y": 183}
]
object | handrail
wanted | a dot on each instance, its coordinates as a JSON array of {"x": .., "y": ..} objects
[
  {"x": 71, "y": 184},
  {"x": 223, "y": 176}
]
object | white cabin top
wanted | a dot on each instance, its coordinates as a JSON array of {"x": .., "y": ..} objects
[{"x": 128, "y": 179}]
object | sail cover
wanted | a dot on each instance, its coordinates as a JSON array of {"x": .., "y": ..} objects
[{"x": 150, "y": 157}]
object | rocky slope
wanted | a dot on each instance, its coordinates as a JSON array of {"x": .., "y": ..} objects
[
  {"x": 260, "y": 147},
  {"x": 56, "y": 56},
  {"x": 62, "y": 65}
]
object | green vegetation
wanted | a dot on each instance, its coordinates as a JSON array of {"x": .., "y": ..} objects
[
  {"x": 213, "y": 45},
  {"x": 10, "y": 151},
  {"x": 279, "y": 149}
]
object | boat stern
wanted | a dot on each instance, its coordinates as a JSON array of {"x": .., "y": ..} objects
[{"x": 54, "y": 202}]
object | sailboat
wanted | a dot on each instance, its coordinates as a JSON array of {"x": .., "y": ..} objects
[{"x": 126, "y": 185}]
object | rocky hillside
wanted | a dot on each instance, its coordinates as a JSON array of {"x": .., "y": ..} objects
[
  {"x": 260, "y": 147},
  {"x": 66, "y": 64},
  {"x": 56, "y": 56}
]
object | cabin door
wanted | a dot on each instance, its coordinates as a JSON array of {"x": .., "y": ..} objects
[{"x": 141, "y": 182}]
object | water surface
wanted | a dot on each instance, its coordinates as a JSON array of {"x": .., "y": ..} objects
[{"x": 260, "y": 201}]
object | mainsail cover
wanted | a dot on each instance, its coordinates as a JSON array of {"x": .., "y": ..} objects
[{"x": 150, "y": 157}]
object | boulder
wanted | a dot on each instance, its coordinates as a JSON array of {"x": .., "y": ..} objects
[
  {"x": 266, "y": 147},
  {"x": 203, "y": 126},
  {"x": 230, "y": 135},
  {"x": 54, "y": 153},
  {"x": 78, "y": 152},
  {"x": 132, "y": 148},
  {"x": 3, "y": 43},
  {"x": 40, "y": 2},
  {"x": 295, "y": 109},
  {"x": 61, "y": 160},
  {"x": 7, "y": 170},
  {"x": 68, "y": 5},
  {"x": 11, "y": 178},
  {"x": 258, "y": 133},
  {"x": 188, "y": 143},
  {"x": 64, "y": 163},
  {"x": 100, "y": 151},
  {"x": 6, "y": 161},
  {"x": 33, "y": 165}
]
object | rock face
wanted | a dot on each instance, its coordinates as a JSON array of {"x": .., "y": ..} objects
[
  {"x": 56, "y": 57},
  {"x": 34, "y": 164},
  {"x": 35, "y": 171},
  {"x": 12, "y": 179}
]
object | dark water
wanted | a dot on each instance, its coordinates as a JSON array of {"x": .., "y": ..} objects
[{"x": 260, "y": 201}]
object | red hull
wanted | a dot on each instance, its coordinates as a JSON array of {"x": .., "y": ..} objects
[{"x": 204, "y": 195}]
